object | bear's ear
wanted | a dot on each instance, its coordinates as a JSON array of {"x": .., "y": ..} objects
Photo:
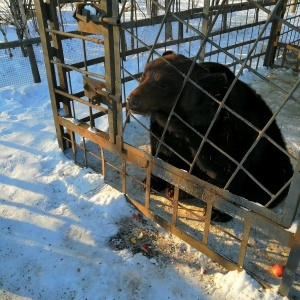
[
  {"x": 168, "y": 52},
  {"x": 213, "y": 82}
]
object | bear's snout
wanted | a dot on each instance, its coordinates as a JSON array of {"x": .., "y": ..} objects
[{"x": 134, "y": 102}]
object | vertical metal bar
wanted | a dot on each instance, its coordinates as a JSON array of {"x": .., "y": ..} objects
[
  {"x": 293, "y": 198},
  {"x": 292, "y": 264},
  {"x": 207, "y": 222},
  {"x": 175, "y": 205},
  {"x": 92, "y": 122},
  {"x": 148, "y": 186},
  {"x": 109, "y": 73},
  {"x": 132, "y": 28},
  {"x": 294, "y": 5},
  {"x": 111, "y": 35},
  {"x": 228, "y": 37},
  {"x": 123, "y": 171},
  {"x": 244, "y": 242},
  {"x": 72, "y": 101},
  {"x": 168, "y": 25},
  {"x": 224, "y": 18},
  {"x": 274, "y": 34},
  {"x": 73, "y": 146},
  {"x": 205, "y": 27},
  {"x": 102, "y": 161},
  {"x": 84, "y": 152},
  {"x": 180, "y": 33}
]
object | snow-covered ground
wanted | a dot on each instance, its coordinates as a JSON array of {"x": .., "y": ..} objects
[{"x": 58, "y": 220}]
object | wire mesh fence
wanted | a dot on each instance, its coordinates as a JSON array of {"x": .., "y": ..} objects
[
  {"x": 14, "y": 60},
  {"x": 14, "y": 53}
]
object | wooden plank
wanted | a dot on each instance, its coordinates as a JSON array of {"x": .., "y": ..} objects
[
  {"x": 19, "y": 43},
  {"x": 41, "y": 10}
]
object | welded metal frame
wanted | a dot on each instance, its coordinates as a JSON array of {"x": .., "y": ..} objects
[{"x": 108, "y": 89}]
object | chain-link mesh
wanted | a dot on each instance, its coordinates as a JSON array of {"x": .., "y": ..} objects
[{"x": 14, "y": 62}]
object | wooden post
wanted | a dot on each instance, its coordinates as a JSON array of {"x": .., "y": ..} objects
[
  {"x": 111, "y": 34},
  {"x": 168, "y": 25},
  {"x": 294, "y": 6},
  {"x": 151, "y": 8},
  {"x": 205, "y": 25},
  {"x": 46, "y": 15},
  {"x": 274, "y": 35}
]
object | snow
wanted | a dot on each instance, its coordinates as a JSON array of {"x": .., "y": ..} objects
[
  {"x": 57, "y": 220},
  {"x": 294, "y": 226},
  {"x": 91, "y": 9}
]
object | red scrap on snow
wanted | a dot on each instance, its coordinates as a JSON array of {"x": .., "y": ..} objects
[
  {"x": 146, "y": 248},
  {"x": 137, "y": 217}
]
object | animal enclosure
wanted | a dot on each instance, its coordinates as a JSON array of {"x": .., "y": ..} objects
[{"x": 94, "y": 64}]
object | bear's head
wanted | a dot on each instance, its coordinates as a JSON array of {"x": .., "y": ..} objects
[{"x": 162, "y": 81}]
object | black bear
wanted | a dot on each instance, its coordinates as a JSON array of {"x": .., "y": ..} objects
[{"x": 159, "y": 87}]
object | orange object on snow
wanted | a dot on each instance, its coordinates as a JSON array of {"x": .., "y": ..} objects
[{"x": 278, "y": 270}]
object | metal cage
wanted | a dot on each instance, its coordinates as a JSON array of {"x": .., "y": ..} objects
[{"x": 93, "y": 63}]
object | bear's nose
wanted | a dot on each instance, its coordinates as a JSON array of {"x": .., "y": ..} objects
[{"x": 133, "y": 101}]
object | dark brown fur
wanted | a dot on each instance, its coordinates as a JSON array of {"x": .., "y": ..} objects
[{"x": 155, "y": 96}]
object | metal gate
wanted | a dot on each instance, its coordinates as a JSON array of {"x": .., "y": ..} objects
[{"x": 92, "y": 68}]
